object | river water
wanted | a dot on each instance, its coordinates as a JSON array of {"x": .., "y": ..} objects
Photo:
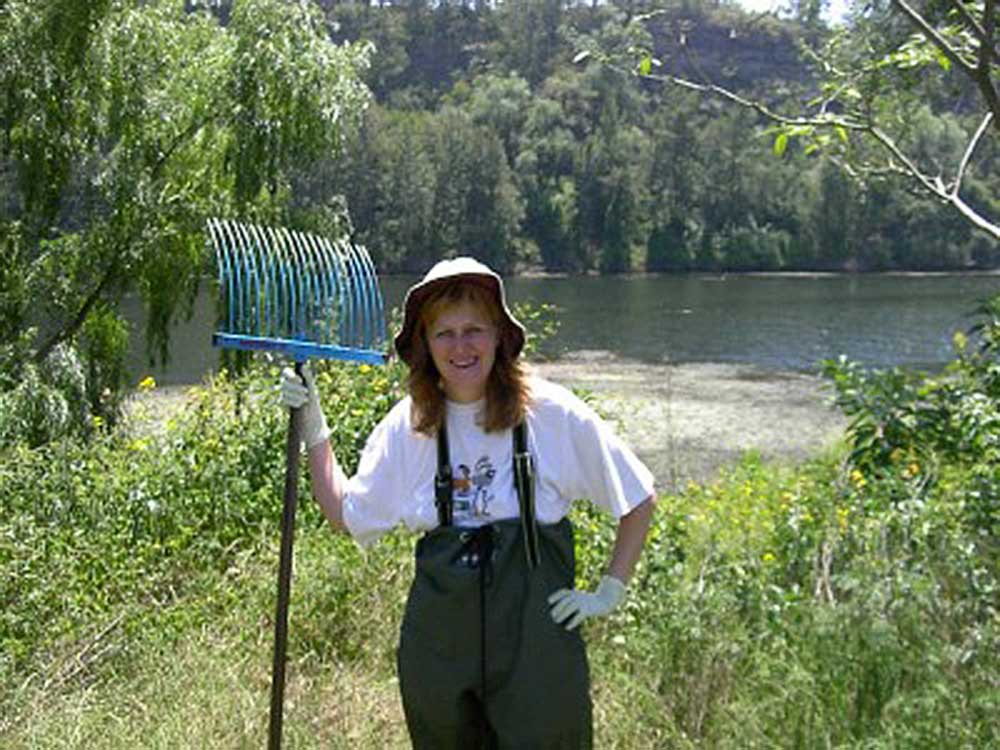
[{"x": 779, "y": 322}]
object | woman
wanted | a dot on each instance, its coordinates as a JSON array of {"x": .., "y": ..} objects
[{"x": 486, "y": 461}]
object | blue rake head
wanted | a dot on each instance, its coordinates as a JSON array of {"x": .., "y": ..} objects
[{"x": 297, "y": 294}]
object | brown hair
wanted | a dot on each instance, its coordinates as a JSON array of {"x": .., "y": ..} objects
[{"x": 507, "y": 392}]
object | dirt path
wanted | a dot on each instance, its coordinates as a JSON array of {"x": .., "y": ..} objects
[{"x": 686, "y": 421}]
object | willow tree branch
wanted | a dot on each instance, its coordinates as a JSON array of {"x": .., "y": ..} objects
[{"x": 69, "y": 330}]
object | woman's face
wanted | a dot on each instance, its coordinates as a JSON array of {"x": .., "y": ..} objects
[{"x": 463, "y": 344}]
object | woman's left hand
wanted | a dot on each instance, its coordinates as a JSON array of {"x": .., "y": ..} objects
[{"x": 572, "y": 607}]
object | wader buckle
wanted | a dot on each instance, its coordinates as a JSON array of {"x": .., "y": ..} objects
[{"x": 478, "y": 550}]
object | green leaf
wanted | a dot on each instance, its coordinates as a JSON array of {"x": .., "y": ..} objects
[
  {"x": 645, "y": 65},
  {"x": 780, "y": 144}
]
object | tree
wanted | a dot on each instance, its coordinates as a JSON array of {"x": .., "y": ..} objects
[
  {"x": 478, "y": 209},
  {"x": 610, "y": 181},
  {"x": 890, "y": 57},
  {"x": 124, "y": 126},
  {"x": 674, "y": 184},
  {"x": 544, "y": 170},
  {"x": 528, "y": 37}
]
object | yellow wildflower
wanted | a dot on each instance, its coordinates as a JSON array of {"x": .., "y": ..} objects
[
  {"x": 147, "y": 383},
  {"x": 959, "y": 341},
  {"x": 768, "y": 557},
  {"x": 842, "y": 514},
  {"x": 858, "y": 478}
]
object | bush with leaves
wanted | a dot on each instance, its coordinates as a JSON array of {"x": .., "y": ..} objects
[{"x": 128, "y": 517}]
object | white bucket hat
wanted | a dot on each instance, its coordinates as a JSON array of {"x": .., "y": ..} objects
[{"x": 464, "y": 269}]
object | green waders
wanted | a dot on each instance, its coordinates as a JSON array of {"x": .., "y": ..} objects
[{"x": 481, "y": 664}]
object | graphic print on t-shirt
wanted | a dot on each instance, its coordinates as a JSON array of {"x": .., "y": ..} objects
[{"x": 471, "y": 488}]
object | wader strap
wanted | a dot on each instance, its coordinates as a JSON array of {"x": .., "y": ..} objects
[
  {"x": 442, "y": 480},
  {"x": 524, "y": 483}
]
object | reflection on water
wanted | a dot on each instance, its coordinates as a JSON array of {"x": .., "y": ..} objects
[{"x": 784, "y": 322}]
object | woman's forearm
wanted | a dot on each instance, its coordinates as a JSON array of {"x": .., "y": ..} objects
[
  {"x": 328, "y": 483},
  {"x": 629, "y": 541}
]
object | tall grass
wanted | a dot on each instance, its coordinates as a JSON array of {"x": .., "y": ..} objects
[{"x": 819, "y": 606}]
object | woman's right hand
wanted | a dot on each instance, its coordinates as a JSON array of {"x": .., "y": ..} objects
[{"x": 300, "y": 393}]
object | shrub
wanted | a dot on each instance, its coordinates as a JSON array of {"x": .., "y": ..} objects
[{"x": 130, "y": 516}]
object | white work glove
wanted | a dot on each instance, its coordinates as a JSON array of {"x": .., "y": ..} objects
[
  {"x": 296, "y": 395},
  {"x": 572, "y": 607}
]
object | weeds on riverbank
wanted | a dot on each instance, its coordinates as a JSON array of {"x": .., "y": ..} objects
[{"x": 829, "y": 605}]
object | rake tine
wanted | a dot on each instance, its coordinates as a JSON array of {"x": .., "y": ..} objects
[
  {"x": 344, "y": 299},
  {"x": 253, "y": 289},
  {"x": 314, "y": 290},
  {"x": 343, "y": 289},
  {"x": 378, "y": 309},
  {"x": 360, "y": 290},
  {"x": 290, "y": 265},
  {"x": 325, "y": 284},
  {"x": 232, "y": 275},
  {"x": 242, "y": 239},
  {"x": 214, "y": 231},
  {"x": 373, "y": 310},
  {"x": 356, "y": 292},
  {"x": 285, "y": 293},
  {"x": 299, "y": 268}
]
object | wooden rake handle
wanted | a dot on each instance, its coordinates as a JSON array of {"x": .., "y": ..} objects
[{"x": 285, "y": 574}]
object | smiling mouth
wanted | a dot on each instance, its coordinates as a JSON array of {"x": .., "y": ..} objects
[{"x": 465, "y": 365}]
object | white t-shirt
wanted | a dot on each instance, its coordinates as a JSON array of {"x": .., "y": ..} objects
[{"x": 577, "y": 456}]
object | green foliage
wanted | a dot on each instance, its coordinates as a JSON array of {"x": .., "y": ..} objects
[
  {"x": 39, "y": 403},
  {"x": 293, "y": 92},
  {"x": 541, "y": 322},
  {"x": 422, "y": 186},
  {"x": 829, "y": 604},
  {"x": 608, "y": 173},
  {"x": 124, "y": 127},
  {"x": 900, "y": 415},
  {"x": 122, "y": 520}
]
